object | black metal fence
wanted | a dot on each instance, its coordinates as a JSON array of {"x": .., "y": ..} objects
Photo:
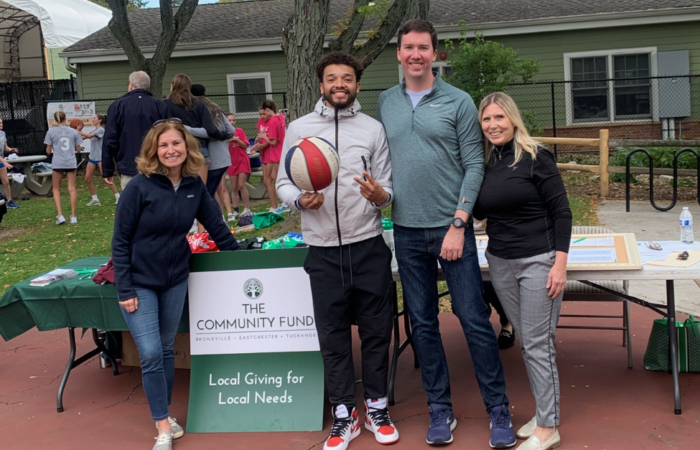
[
  {"x": 665, "y": 107},
  {"x": 631, "y": 108},
  {"x": 23, "y": 110}
]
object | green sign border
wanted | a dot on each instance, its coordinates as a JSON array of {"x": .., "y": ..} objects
[{"x": 248, "y": 259}]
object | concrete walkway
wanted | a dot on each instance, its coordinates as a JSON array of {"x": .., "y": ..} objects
[{"x": 648, "y": 224}]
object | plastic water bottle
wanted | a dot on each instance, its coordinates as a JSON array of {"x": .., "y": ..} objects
[
  {"x": 388, "y": 236},
  {"x": 686, "y": 226}
]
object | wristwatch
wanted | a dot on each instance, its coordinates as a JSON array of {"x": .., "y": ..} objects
[{"x": 458, "y": 223}]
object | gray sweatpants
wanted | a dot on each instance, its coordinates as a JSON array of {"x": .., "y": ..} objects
[{"x": 521, "y": 285}]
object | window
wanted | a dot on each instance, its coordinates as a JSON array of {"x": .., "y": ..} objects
[
  {"x": 610, "y": 86},
  {"x": 248, "y": 92},
  {"x": 442, "y": 68}
]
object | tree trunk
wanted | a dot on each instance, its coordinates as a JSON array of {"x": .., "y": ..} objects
[
  {"x": 302, "y": 42},
  {"x": 172, "y": 27}
]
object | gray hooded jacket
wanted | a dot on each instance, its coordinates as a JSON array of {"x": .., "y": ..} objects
[{"x": 346, "y": 216}]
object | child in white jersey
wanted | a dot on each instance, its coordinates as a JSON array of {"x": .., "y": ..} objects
[
  {"x": 63, "y": 141},
  {"x": 95, "y": 158}
]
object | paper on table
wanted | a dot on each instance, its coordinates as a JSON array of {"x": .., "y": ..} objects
[
  {"x": 592, "y": 255},
  {"x": 482, "y": 256},
  {"x": 592, "y": 242},
  {"x": 673, "y": 261},
  {"x": 667, "y": 247}
]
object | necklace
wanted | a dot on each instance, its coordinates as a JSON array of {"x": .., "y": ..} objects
[{"x": 500, "y": 152}]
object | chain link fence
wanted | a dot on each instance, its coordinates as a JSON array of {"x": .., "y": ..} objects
[{"x": 23, "y": 110}]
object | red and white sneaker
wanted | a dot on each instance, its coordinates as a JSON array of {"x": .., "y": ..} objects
[
  {"x": 378, "y": 422},
  {"x": 343, "y": 431}
]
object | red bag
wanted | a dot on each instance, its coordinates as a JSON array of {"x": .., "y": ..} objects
[
  {"x": 105, "y": 274},
  {"x": 200, "y": 243}
]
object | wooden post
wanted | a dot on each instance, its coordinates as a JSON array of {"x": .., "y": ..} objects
[{"x": 604, "y": 161}]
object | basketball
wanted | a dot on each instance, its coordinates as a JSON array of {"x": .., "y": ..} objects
[
  {"x": 75, "y": 123},
  {"x": 312, "y": 164}
]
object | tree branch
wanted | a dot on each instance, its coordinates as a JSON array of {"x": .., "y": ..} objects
[
  {"x": 172, "y": 28},
  {"x": 398, "y": 13},
  {"x": 348, "y": 36},
  {"x": 424, "y": 9},
  {"x": 119, "y": 24}
]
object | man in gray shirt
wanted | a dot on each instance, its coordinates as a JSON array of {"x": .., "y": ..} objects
[{"x": 437, "y": 157}]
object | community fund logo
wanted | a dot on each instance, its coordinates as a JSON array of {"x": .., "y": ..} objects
[{"x": 253, "y": 288}]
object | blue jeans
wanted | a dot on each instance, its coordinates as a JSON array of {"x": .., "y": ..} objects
[
  {"x": 418, "y": 252},
  {"x": 154, "y": 326}
]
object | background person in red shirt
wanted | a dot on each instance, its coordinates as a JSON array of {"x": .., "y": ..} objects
[{"x": 269, "y": 143}]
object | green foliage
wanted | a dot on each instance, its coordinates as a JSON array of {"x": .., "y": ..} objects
[
  {"x": 481, "y": 67},
  {"x": 662, "y": 157},
  {"x": 531, "y": 123}
]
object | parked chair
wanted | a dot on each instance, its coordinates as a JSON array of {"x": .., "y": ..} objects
[{"x": 577, "y": 291}]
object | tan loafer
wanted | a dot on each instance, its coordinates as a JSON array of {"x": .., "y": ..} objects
[
  {"x": 533, "y": 443},
  {"x": 528, "y": 429}
]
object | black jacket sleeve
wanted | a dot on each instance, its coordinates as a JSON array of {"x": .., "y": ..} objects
[
  {"x": 110, "y": 141},
  {"x": 551, "y": 188},
  {"x": 209, "y": 214},
  {"x": 125, "y": 223}
]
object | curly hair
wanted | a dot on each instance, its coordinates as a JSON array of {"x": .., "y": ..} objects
[
  {"x": 148, "y": 162},
  {"x": 339, "y": 58}
]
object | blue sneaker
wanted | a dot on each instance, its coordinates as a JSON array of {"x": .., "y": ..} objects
[
  {"x": 12, "y": 205},
  {"x": 502, "y": 432},
  {"x": 442, "y": 422}
]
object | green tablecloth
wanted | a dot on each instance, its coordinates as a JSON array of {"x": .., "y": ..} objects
[{"x": 73, "y": 302}]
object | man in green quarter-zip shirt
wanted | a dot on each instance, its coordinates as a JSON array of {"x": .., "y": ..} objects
[{"x": 437, "y": 167}]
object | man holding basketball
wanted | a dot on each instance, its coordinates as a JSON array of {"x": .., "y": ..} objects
[
  {"x": 349, "y": 264},
  {"x": 438, "y": 166}
]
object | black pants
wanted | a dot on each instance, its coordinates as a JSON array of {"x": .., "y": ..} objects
[
  {"x": 491, "y": 298},
  {"x": 350, "y": 284}
]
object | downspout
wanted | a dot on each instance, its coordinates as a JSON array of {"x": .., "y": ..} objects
[{"x": 69, "y": 68}]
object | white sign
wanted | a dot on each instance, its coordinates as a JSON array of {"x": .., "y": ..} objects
[
  {"x": 84, "y": 111},
  {"x": 251, "y": 311}
]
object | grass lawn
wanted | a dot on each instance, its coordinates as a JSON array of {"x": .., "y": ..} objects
[{"x": 31, "y": 243}]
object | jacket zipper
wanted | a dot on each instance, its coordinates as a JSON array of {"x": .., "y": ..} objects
[
  {"x": 172, "y": 234},
  {"x": 337, "y": 214}
]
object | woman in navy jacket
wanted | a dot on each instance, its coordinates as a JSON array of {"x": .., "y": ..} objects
[{"x": 151, "y": 255}]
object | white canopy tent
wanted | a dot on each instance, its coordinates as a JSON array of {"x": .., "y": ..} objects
[
  {"x": 64, "y": 22},
  {"x": 27, "y": 27}
]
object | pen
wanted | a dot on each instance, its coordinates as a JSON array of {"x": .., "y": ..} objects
[
  {"x": 579, "y": 240},
  {"x": 364, "y": 163}
]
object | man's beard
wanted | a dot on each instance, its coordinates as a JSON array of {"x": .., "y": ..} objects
[{"x": 351, "y": 96}]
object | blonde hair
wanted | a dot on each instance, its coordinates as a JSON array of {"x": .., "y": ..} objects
[
  {"x": 522, "y": 141},
  {"x": 148, "y": 162},
  {"x": 59, "y": 116}
]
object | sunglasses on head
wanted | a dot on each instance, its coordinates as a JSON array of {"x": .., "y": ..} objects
[{"x": 162, "y": 121}]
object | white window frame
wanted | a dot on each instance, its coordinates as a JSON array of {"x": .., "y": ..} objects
[
  {"x": 609, "y": 54},
  {"x": 436, "y": 65},
  {"x": 245, "y": 76}
]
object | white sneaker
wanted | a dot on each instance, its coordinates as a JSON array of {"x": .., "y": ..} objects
[
  {"x": 61, "y": 220},
  {"x": 232, "y": 216},
  {"x": 164, "y": 441},
  {"x": 116, "y": 201},
  {"x": 93, "y": 202},
  {"x": 73, "y": 220},
  {"x": 177, "y": 430},
  {"x": 247, "y": 212},
  {"x": 343, "y": 431},
  {"x": 379, "y": 423},
  {"x": 274, "y": 210}
]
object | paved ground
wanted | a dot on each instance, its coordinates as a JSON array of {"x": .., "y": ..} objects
[
  {"x": 604, "y": 404},
  {"x": 649, "y": 224}
]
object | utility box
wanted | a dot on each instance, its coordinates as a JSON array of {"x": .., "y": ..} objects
[{"x": 674, "y": 93}]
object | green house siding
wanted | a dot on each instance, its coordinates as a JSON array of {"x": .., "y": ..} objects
[{"x": 109, "y": 80}]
